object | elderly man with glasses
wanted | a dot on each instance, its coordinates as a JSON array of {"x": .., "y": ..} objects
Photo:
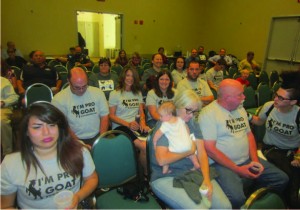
[{"x": 85, "y": 107}]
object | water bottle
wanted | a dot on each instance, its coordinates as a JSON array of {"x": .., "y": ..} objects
[{"x": 203, "y": 191}]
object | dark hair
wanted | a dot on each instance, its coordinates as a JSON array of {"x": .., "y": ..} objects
[
  {"x": 135, "y": 88},
  {"x": 136, "y": 54},
  {"x": 250, "y": 53},
  {"x": 155, "y": 55},
  {"x": 290, "y": 82},
  {"x": 161, "y": 48},
  {"x": 211, "y": 53},
  {"x": 150, "y": 81},
  {"x": 121, "y": 52},
  {"x": 32, "y": 53},
  {"x": 221, "y": 62},
  {"x": 69, "y": 149},
  {"x": 170, "y": 92},
  {"x": 104, "y": 60},
  {"x": 120, "y": 59},
  {"x": 193, "y": 61},
  {"x": 182, "y": 59}
]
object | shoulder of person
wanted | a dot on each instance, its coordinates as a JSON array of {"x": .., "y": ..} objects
[{"x": 12, "y": 159}]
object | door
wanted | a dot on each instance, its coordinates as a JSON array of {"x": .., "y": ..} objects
[{"x": 101, "y": 31}]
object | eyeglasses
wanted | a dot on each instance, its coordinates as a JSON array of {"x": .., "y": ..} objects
[
  {"x": 78, "y": 88},
  {"x": 280, "y": 98},
  {"x": 190, "y": 111}
]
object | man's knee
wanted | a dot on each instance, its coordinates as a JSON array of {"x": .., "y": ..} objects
[{"x": 237, "y": 200}]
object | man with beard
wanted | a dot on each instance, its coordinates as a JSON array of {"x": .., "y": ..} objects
[{"x": 192, "y": 81}]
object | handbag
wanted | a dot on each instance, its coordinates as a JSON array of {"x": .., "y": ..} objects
[{"x": 86, "y": 203}]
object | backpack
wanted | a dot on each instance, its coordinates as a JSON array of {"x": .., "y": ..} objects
[
  {"x": 134, "y": 190},
  {"x": 297, "y": 117}
]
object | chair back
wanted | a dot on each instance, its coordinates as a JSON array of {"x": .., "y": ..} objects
[
  {"x": 232, "y": 71},
  {"x": 147, "y": 66},
  {"x": 145, "y": 60},
  {"x": 250, "y": 98},
  {"x": 53, "y": 63},
  {"x": 60, "y": 68},
  {"x": 264, "y": 94},
  {"x": 117, "y": 68},
  {"x": 264, "y": 198},
  {"x": 236, "y": 75},
  {"x": 274, "y": 77},
  {"x": 95, "y": 69},
  {"x": 17, "y": 71},
  {"x": 115, "y": 159},
  {"x": 64, "y": 78},
  {"x": 37, "y": 92},
  {"x": 263, "y": 77},
  {"x": 172, "y": 66},
  {"x": 253, "y": 80},
  {"x": 69, "y": 65}
]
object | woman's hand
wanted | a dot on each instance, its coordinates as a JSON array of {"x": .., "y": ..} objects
[
  {"x": 296, "y": 163},
  {"x": 144, "y": 128},
  {"x": 208, "y": 184},
  {"x": 134, "y": 126},
  {"x": 75, "y": 202}
]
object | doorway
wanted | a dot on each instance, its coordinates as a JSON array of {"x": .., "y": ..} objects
[{"x": 102, "y": 33}]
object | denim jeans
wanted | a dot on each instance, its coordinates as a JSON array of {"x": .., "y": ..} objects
[
  {"x": 232, "y": 184},
  {"x": 177, "y": 198}
]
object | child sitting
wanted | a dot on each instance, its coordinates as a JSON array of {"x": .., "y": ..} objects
[
  {"x": 243, "y": 78},
  {"x": 177, "y": 132}
]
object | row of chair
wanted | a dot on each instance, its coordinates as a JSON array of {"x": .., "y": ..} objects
[
  {"x": 114, "y": 152},
  {"x": 263, "y": 94}
]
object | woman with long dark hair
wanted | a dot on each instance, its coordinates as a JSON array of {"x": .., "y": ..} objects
[
  {"x": 163, "y": 91},
  {"x": 50, "y": 160},
  {"x": 126, "y": 110}
]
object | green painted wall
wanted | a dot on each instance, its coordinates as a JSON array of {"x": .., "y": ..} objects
[{"x": 237, "y": 25}]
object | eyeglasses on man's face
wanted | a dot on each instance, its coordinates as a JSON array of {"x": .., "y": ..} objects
[
  {"x": 78, "y": 88},
  {"x": 281, "y": 98},
  {"x": 190, "y": 111}
]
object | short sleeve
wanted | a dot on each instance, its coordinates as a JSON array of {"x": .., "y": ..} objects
[
  {"x": 114, "y": 98},
  {"x": 7, "y": 184},
  {"x": 89, "y": 166}
]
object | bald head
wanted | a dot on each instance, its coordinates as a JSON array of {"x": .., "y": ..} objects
[
  {"x": 230, "y": 95},
  {"x": 227, "y": 86},
  {"x": 78, "y": 81}
]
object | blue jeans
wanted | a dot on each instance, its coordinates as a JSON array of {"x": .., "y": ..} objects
[
  {"x": 177, "y": 198},
  {"x": 232, "y": 184}
]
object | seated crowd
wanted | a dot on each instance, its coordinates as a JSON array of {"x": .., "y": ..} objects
[{"x": 195, "y": 133}]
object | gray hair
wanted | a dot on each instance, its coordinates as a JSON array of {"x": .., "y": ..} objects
[{"x": 186, "y": 98}]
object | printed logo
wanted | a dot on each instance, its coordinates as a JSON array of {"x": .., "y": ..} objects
[
  {"x": 279, "y": 127},
  {"x": 236, "y": 125},
  {"x": 84, "y": 110},
  {"x": 131, "y": 103}
]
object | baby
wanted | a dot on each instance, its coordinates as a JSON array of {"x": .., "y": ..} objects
[{"x": 177, "y": 132}]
